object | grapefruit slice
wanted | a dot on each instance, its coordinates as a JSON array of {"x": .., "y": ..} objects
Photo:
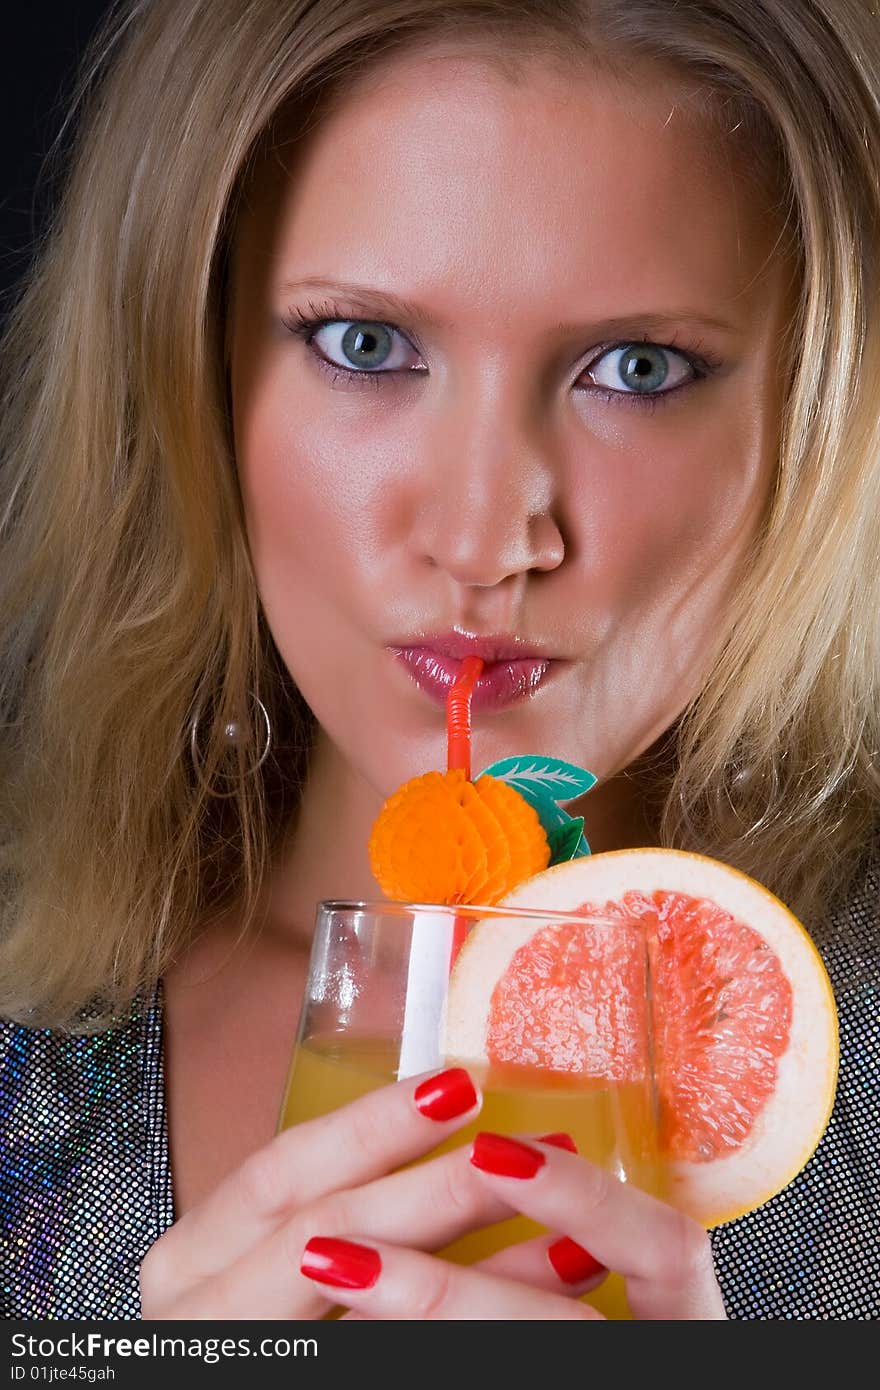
[{"x": 743, "y": 1015}]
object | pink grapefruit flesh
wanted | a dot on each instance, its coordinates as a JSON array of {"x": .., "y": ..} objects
[{"x": 743, "y": 1016}]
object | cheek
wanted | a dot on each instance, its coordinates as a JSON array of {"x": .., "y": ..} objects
[
  {"x": 672, "y": 501},
  {"x": 300, "y": 495}
]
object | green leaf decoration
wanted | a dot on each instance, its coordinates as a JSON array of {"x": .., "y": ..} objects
[
  {"x": 543, "y": 782},
  {"x": 565, "y": 839},
  {"x": 536, "y": 777},
  {"x": 551, "y": 816}
]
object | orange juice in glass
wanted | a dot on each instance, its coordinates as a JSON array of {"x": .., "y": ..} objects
[{"x": 396, "y": 989}]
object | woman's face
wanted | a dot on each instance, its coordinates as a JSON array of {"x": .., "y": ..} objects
[{"x": 536, "y": 417}]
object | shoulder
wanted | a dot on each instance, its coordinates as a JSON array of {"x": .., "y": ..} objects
[
  {"x": 83, "y": 1166},
  {"x": 54, "y": 1048},
  {"x": 813, "y": 1250},
  {"x": 849, "y": 936}
]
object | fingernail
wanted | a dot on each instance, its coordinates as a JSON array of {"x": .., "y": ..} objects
[
  {"x": 447, "y": 1095},
  {"x": 507, "y": 1158},
  {"x": 559, "y": 1140},
  {"x": 572, "y": 1262},
  {"x": 342, "y": 1263}
]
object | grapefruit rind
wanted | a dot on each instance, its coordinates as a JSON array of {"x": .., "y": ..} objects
[{"x": 787, "y": 1131}]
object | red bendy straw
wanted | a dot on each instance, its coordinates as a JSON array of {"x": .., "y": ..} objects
[
  {"x": 458, "y": 716},
  {"x": 458, "y": 753}
]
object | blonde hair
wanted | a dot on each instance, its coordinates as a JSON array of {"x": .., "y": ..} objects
[{"x": 127, "y": 596}]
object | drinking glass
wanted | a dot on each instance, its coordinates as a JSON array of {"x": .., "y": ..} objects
[{"x": 549, "y": 1012}]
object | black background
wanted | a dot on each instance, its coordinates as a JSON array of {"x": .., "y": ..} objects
[{"x": 39, "y": 53}]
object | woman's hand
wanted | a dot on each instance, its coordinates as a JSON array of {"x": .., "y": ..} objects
[
  {"x": 242, "y": 1253},
  {"x": 604, "y": 1224},
  {"x": 237, "y": 1254}
]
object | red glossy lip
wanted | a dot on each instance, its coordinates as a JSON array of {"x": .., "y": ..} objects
[{"x": 511, "y": 672}]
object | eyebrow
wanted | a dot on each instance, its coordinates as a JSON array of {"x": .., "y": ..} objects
[
  {"x": 385, "y": 303},
  {"x": 362, "y": 297}
]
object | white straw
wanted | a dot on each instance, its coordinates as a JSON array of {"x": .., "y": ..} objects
[{"x": 427, "y": 983}]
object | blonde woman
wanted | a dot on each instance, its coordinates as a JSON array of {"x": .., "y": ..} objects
[{"x": 369, "y": 333}]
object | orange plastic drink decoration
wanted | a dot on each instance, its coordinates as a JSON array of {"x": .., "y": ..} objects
[{"x": 444, "y": 839}]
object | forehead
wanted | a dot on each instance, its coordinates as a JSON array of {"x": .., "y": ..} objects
[
  {"x": 459, "y": 166},
  {"x": 444, "y": 72}
]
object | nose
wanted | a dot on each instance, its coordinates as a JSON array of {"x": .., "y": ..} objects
[{"x": 488, "y": 498}]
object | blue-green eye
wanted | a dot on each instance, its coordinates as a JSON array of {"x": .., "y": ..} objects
[
  {"x": 363, "y": 345},
  {"x": 641, "y": 369}
]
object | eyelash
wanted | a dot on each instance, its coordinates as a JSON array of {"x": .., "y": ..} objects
[{"x": 305, "y": 325}]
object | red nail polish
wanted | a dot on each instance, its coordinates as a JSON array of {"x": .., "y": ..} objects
[
  {"x": 561, "y": 1140},
  {"x": 572, "y": 1262},
  {"x": 447, "y": 1095},
  {"x": 342, "y": 1263},
  {"x": 507, "y": 1158}
]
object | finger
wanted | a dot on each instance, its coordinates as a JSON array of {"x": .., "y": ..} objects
[
  {"x": 555, "y": 1263},
  {"x": 390, "y": 1282},
  {"x": 664, "y": 1256},
  {"x": 425, "y": 1206},
  {"x": 379, "y": 1131}
]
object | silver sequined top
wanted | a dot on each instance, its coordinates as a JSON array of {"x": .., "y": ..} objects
[{"x": 85, "y": 1180}]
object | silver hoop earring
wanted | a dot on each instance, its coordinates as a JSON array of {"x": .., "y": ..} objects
[{"x": 232, "y": 737}]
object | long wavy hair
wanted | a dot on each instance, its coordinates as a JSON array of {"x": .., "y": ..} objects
[{"x": 127, "y": 596}]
